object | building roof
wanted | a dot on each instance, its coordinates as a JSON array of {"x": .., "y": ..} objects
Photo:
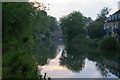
[
  {"x": 114, "y": 17},
  {"x": 90, "y": 23},
  {"x": 117, "y": 12}
]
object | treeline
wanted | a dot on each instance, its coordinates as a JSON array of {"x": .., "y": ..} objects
[
  {"x": 22, "y": 23},
  {"x": 97, "y": 33}
]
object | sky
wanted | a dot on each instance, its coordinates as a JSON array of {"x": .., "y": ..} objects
[{"x": 89, "y": 8}]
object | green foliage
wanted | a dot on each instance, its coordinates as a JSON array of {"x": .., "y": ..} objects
[
  {"x": 108, "y": 43},
  {"x": 47, "y": 33},
  {"x": 18, "y": 65},
  {"x": 45, "y": 23},
  {"x": 82, "y": 43},
  {"x": 72, "y": 25},
  {"x": 53, "y": 24},
  {"x": 95, "y": 30},
  {"x": 96, "y": 27},
  {"x": 14, "y": 22},
  {"x": 22, "y": 22},
  {"x": 118, "y": 47},
  {"x": 104, "y": 12}
]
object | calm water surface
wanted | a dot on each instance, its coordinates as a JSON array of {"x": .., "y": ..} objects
[{"x": 58, "y": 63}]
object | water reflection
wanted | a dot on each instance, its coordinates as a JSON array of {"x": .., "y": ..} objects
[
  {"x": 46, "y": 52},
  {"x": 70, "y": 62}
]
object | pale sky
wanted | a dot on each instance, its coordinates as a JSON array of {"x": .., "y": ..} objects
[{"x": 89, "y": 8}]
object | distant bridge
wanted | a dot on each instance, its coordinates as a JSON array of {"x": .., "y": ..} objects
[
  {"x": 56, "y": 37},
  {"x": 56, "y": 33}
]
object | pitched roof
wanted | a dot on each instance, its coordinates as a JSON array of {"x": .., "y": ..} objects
[
  {"x": 114, "y": 17},
  {"x": 117, "y": 12}
]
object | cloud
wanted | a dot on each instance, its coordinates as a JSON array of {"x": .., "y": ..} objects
[{"x": 89, "y": 8}]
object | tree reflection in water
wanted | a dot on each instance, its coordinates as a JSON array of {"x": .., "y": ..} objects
[
  {"x": 45, "y": 52},
  {"x": 106, "y": 62},
  {"x": 74, "y": 58}
]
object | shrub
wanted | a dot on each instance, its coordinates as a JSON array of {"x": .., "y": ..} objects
[
  {"x": 108, "y": 43},
  {"x": 118, "y": 47}
]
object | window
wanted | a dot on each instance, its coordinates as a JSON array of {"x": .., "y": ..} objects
[
  {"x": 118, "y": 16},
  {"x": 112, "y": 17},
  {"x": 115, "y": 16}
]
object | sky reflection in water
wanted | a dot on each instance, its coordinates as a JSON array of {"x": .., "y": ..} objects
[{"x": 53, "y": 69}]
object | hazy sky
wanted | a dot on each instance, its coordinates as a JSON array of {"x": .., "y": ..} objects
[{"x": 89, "y": 8}]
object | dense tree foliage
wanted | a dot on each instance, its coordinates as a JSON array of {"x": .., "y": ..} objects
[
  {"x": 73, "y": 25},
  {"x": 22, "y": 22},
  {"x": 95, "y": 29},
  {"x": 108, "y": 43}
]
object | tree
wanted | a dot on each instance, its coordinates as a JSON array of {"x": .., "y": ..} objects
[
  {"x": 72, "y": 25},
  {"x": 21, "y": 22},
  {"x": 95, "y": 29},
  {"x": 104, "y": 12},
  {"x": 53, "y": 24},
  {"x": 108, "y": 43}
]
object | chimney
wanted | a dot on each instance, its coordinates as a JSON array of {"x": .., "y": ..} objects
[{"x": 119, "y": 5}]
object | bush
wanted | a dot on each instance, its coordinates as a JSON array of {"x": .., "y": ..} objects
[
  {"x": 118, "y": 47},
  {"x": 108, "y": 43},
  {"x": 79, "y": 42}
]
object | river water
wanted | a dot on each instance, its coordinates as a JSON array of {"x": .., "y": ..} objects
[{"x": 57, "y": 62}]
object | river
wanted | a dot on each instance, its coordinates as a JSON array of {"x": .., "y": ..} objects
[{"x": 58, "y": 62}]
